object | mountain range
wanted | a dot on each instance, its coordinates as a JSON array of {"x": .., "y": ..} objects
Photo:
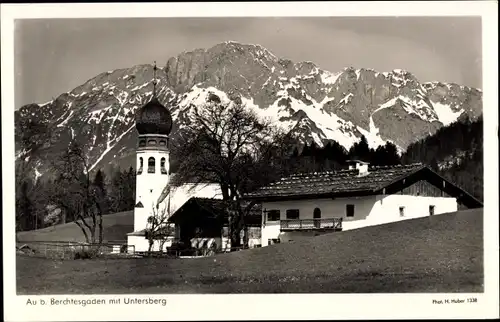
[{"x": 315, "y": 104}]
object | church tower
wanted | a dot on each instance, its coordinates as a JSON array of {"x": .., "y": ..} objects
[{"x": 153, "y": 124}]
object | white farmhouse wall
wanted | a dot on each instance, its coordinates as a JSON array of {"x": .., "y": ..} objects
[
  {"x": 335, "y": 208},
  {"x": 387, "y": 210},
  {"x": 270, "y": 230},
  {"x": 368, "y": 211}
]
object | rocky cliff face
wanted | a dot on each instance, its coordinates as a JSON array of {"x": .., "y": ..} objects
[{"x": 316, "y": 104}]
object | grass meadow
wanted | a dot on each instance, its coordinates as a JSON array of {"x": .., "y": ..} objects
[{"x": 441, "y": 253}]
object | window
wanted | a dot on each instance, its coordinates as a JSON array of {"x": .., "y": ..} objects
[
  {"x": 273, "y": 215},
  {"x": 317, "y": 217},
  {"x": 142, "y": 143},
  {"x": 162, "y": 166},
  {"x": 349, "y": 210},
  {"x": 431, "y": 210},
  {"x": 292, "y": 214},
  {"x": 151, "y": 165},
  {"x": 163, "y": 142},
  {"x": 151, "y": 142},
  {"x": 401, "y": 211},
  {"x": 141, "y": 164}
]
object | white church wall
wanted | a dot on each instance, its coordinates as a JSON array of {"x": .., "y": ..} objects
[{"x": 149, "y": 186}]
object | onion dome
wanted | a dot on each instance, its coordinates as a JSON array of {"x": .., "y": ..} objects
[{"x": 154, "y": 118}]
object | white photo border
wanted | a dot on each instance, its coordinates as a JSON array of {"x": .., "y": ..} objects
[{"x": 270, "y": 306}]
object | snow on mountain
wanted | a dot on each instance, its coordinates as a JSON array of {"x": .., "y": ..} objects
[
  {"x": 329, "y": 78},
  {"x": 445, "y": 113},
  {"x": 315, "y": 104},
  {"x": 452, "y": 101}
]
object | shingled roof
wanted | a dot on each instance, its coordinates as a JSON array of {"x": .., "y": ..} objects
[
  {"x": 347, "y": 183},
  {"x": 213, "y": 209}
]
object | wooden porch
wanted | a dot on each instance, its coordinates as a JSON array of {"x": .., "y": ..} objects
[{"x": 311, "y": 224}]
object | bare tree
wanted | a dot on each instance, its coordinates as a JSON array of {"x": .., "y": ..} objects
[
  {"x": 158, "y": 229},
  {"x": 74, "y": 192},
  {"x": 229, "y": 144}
]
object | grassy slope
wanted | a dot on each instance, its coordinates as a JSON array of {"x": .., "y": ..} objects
[
  {"x": 116, "y": 226},
  {"x": 434, "y": 254}
]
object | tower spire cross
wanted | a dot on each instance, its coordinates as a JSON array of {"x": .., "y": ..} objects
[{"x": 154, "y": 79}]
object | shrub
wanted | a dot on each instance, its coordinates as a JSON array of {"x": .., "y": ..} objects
[{"x": 87, "y": 253}]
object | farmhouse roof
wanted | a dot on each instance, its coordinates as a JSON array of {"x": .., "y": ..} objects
[
  {"x": 210, "y": 208},
  {"x": 348, "y": 183}
]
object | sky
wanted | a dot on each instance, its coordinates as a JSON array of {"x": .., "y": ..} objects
[{"x": 53, "y": 56}]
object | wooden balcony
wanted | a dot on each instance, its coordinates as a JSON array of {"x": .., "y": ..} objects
[{"x": 311, "y": 224}]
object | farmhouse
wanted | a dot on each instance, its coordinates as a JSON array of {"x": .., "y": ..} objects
[
  {"x": 357, "y": 197},
  {"x": 202, "y": 220}
]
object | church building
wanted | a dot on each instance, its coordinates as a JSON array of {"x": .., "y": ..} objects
[{"x": 153, "y": 124}]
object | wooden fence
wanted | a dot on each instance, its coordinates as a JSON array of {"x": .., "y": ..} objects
[
  {"x": 303, "y": 224},
  {"x": 71, "y": 250},
  {"x": 65, "y": 250}
]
